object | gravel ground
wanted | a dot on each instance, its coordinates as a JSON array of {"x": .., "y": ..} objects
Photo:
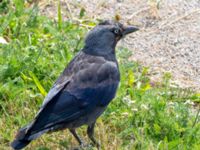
[{"x": 168, "y": 40}]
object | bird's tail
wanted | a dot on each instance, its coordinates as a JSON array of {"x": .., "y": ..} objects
[{"x": 21, "y": 139}]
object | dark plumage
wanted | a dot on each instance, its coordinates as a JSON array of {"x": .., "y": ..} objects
[{"x": 83, "y": 90}]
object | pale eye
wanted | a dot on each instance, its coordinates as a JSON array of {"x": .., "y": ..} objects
[{"x": 116, "y": 31}]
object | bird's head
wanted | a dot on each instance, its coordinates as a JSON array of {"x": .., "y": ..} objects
[{"x": 102, "y": 39}]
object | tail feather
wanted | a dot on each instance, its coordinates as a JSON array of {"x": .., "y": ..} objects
[
  {"x": 19, "y": 144},
  {"x": 20, "y": 139}
]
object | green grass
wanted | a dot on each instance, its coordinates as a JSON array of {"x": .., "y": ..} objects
[{"x": 144, "y": 115}]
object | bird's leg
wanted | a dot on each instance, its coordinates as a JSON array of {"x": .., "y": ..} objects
[
  {"x": 90, "y": 132},
  {"x": 73, "y": 131}
]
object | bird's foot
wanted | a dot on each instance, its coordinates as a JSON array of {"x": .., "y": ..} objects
[
  {"x": 83, "y": 146},
  {"x": 96, "y": 144},
  {"x": 91, "y": 146}
]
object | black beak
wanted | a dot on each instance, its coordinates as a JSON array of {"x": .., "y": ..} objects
[{"x": 129, "y": 29}]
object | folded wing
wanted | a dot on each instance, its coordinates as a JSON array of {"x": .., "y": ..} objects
[{"x": 81, "y": 88}]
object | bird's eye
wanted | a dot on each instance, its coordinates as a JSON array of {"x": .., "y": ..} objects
[{"x": 116, "y": 31}]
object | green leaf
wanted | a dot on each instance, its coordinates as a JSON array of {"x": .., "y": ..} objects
[
  {"x": 25, "y": 78},
  {"x": 38, "y": 84},
  {"x": 146, "y": 87},
  {"x": 19, "y": 4},
  {"x": 157, "y": 128},
  {"x": 131, "y": 78},
  {"x": 145, "y": 71},
  {"x": 82, "y": 12},
  {"x": 174, "y": 144}
]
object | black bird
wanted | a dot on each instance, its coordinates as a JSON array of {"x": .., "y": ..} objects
[{"x": 83, "y": 90}]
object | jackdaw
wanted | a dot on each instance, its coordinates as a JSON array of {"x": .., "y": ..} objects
[{"x": 84, "y": 89}]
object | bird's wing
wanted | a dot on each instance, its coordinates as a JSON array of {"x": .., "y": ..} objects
[
  {"x": 93, "y": 84},
  {"x": 63, "y": 79},
  {"x": 57, "y": 87}
]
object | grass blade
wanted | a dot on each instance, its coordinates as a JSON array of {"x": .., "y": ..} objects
[
  {"x": 38, "y": 84},
  {"x": 59, "y": 16}
]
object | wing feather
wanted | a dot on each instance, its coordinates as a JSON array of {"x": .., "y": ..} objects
[{"x": 77, "y": 93}]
